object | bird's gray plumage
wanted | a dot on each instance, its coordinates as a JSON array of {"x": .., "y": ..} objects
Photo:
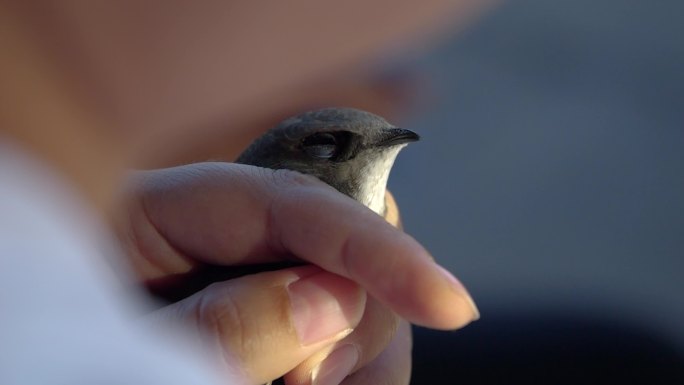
[{"x": 349, "y": 149}]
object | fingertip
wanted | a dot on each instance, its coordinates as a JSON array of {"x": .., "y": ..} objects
[
  {"x": 448, "y": 304},
  {"x": 409, "y": 281},
  {"x": 462, "y": 293},
  {"x": 345, "y": 238}
]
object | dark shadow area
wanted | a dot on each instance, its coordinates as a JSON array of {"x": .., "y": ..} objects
[{"x": 545, "y": 348}]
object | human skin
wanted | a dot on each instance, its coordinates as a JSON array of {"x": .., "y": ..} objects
[
  {"x": 219, "y": 212},
  {"x": 93, "y": 87}
]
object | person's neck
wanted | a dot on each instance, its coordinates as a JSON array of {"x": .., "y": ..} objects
[{"x": 39, "y": 111}]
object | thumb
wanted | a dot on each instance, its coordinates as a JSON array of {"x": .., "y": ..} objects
[{"x": 264, "y": 325}]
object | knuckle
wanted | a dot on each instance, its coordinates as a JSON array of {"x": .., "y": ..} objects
[
  {"x": 387, "y": 325},
  {"x": 220, "y": 314},
  {"x": 376, "y": 332}
]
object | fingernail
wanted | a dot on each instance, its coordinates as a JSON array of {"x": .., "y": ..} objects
[
  {"x": 324, "y": 306},
  {"x": 336, "y": 367},
  {"x": 458, "y": 287}
]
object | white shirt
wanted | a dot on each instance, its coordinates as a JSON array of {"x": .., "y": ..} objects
[{"x": 65, "y": 316}]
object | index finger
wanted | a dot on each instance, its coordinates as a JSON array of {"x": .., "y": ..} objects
[{"x": 231, "y": 214}]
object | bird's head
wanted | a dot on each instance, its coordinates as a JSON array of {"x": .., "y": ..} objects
[{"x": 349, "y": 149}]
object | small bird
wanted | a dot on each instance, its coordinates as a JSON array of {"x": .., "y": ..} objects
[{"x": 349, "y": 149}]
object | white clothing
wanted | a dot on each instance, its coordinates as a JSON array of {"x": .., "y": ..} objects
[{"x": 65, "y": 317}]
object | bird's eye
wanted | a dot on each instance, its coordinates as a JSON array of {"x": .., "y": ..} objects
[{"x": 322, "y": 145}]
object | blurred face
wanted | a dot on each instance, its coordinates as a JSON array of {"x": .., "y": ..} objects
[
  {"x": 158, "y": 70},
  {"x": 94, "y": 87},
  {"x": 151, "y": 66}
]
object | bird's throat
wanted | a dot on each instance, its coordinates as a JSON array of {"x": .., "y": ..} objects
[{"x": 373, "y": 180}]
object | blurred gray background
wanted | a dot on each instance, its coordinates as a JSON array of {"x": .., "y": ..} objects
[{"x": 550, "y": 175}]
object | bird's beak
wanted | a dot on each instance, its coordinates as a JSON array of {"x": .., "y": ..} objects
[{"x": 395, "y": 136}]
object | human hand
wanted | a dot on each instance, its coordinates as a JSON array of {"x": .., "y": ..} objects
[{"x": 184, "y": 219}]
